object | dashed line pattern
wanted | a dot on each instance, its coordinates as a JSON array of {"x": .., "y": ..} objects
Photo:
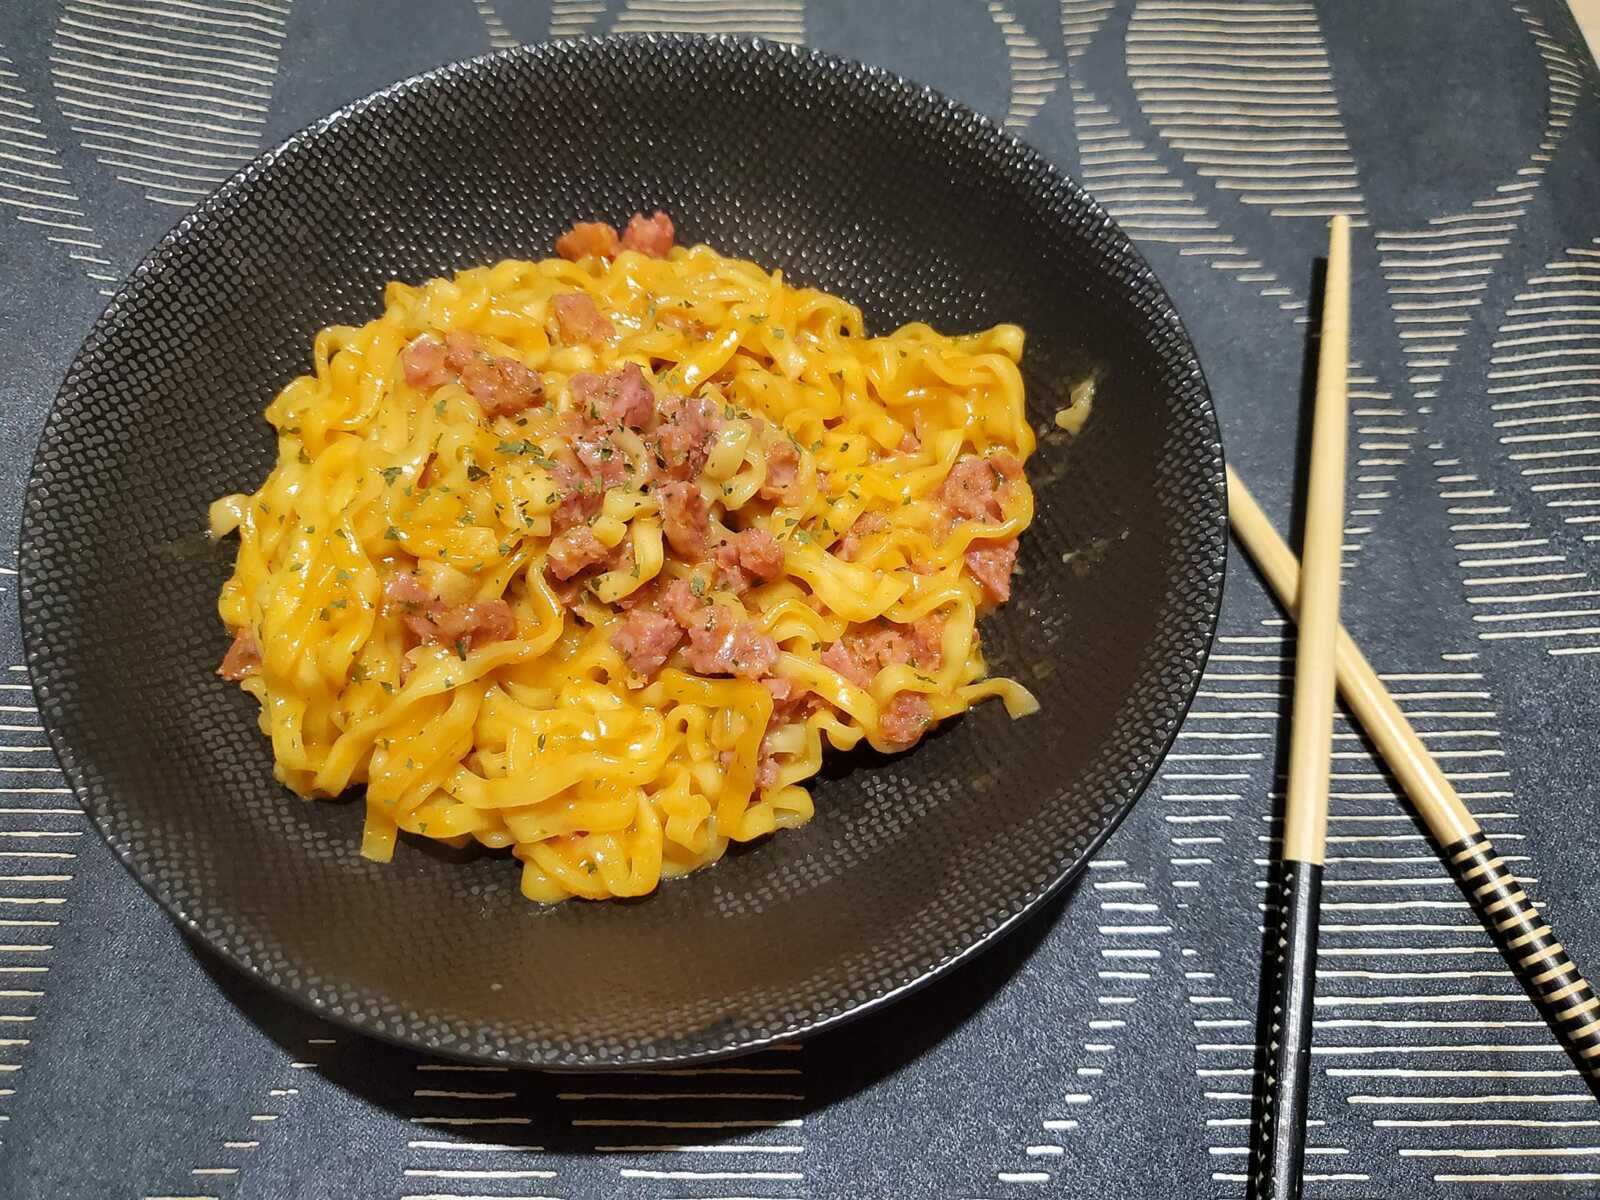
[
  {"x": 34, "y": 186},
  {"x": 1034, "y": 74},
  {"x": 171, "y": 96},
  {"x": 1244, "y": 93}
]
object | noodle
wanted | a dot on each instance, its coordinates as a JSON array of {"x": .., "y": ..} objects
[{"x": 589, "y": 557}]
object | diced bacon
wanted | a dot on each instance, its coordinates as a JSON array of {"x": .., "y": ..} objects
[
  {"x": 645, "y": 639},
  {"x": 865, "y": 526},
  {"x": 789, "y": 703},
  {"x": 904, "y": 720},
  {"x": 927, "y": 642},
  {"x": 622, "y": 397},
  {"x": 766, "y": 765},
  {"x": 423, "y": 362},
  {"x": 783, "y": 464},
  {"x": 579, "y": 319},
  {"x": 501, "y": 386},
  {"x": 587, "y": 239},
  {"x": 780, "y": 688},
  {"x": 972, "y": 489},
  {"x": 837, "y": 658},
  {"x": 574, "y": 550},
  {"x": 991, "y": 564},
  {"x": 680, "y": 603},
  {"x": 462, "y": 626},
  {"x": 910, "y": 443},
  {"x": 683, "y": 441},
  {"x": 685, "y": 519},
  {"x": 720, "y": 643},
  {"x": 752, "y": 552},
  {"x": 649, "y": 235},
  {"x": 243, "y": 657},
  {"x": 592, "y": 445},
  {"x": 581, "y": 498}
]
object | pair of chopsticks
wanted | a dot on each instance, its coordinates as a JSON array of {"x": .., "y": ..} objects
[{"x": 1310, "y": 592}]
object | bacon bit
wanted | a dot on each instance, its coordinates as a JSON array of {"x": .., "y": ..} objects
[
  {"x": 927, "y": 642},
  {"x": 783, "y": 464},
  {"x": 970, "y": 489},
  {"x": 591, "y": 443},
  {"x": 587, "y": 239},
  {"x": 904, "y": 720},
  {"x": 838, "y": 659},
  {"x": 579, "y": 319},
  {"x": 501, "y": 386},
  {"x": 991, "y": 564},
  {"x": 463, "y": 626},
  {"x": 582, "y": 496},
  {"x": 650, "y": 235},
  {"x": 722, "y": 644},
  {"x": 645, "y": 640},
  {"x": 622, "y": 397},
  {"x": 767, "y": 764},
  {"x": 751, "y": 552},
  {"x": 574, "y": 550},
  {"x": 683, "y": 442},
  {"x": 865, "y": 526},
  {"x": 910, "y": 443},
  {"x": 423, "y": 362},
  {"x": 243, "y": 657},
  {"x": 686, "y": 520},
  {"x": 680, "y": 603}
]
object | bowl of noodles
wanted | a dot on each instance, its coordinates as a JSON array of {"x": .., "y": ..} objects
[{"x": 623, "y": 552}]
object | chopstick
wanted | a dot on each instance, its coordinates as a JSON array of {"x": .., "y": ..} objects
[
  {"x": 1552, "y": 980},
  {"x": 1292, "y": 962}
]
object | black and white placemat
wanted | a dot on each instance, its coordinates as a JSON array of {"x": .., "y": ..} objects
[{"x": 1107, "y": 1048}]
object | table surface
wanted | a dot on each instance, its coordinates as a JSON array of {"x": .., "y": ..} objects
[{"x": 1108, "y": 1045}]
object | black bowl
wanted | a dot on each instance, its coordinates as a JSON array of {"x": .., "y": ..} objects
[{"x": 846, "y": 177}]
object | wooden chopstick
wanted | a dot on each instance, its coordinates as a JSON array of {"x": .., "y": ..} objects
[
  {"x": 1532, "y": 951},
  {"x": 1291, "y": 969}
]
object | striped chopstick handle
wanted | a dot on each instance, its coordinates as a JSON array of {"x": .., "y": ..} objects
[
  {"x": 1540, "y": 963},
  {"x": 1278, "y": 1148}
]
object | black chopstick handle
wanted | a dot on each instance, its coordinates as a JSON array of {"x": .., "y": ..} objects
[
  {"x": 1540, "y": 963},
  {"x": 1279, "y": 1147}
]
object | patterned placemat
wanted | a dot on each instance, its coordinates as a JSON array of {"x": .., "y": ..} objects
[{"x": 1107, "y": 1047}]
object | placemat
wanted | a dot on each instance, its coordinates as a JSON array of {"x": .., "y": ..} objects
[{"x": 1106, "y": 1048}]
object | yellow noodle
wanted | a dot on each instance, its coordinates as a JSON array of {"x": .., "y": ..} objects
[{"x": 600, "y": 781}]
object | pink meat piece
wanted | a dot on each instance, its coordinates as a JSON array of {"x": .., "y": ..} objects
[
  {"x": 972, "y": 489},
  {"x": 592, "y": 446},
  {"x": 683, "y": 440},
  {"x": 910, "y": 443},
  {"x": 837, "y": 658},
  {"x": 581, "y": 498},
  {"x": 904, "y": 720},
  {"x": 991, "y": 564},
  {"x": 766, "y": 765},
  {"x": 865, "y": 526},
  {"x": 721, "y": 643},
  {"x": 649, "y": 235},
  {"x": 587, "y": 239},
  {"x": 927, "y": 643},
  {"x": 429, "y": 619},
  {"x": 622, "y": 397},
  {"x": 753, "y": 552},
  {"x": 423, "y": 362},
  {"x": 680, "y": 603},
  {"x": 645, "y": 640},
  {"x": 243, "y": 657},
  {"x": 783, "y": 464},
  {"x": 579, "y": 319},
  {"x": 573, "y": 551},
  {"x": 502, "y": 386},
  {"x": 685, "y": 519}
]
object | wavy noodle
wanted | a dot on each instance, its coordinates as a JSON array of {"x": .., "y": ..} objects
[{"x": 601, "y": 779}]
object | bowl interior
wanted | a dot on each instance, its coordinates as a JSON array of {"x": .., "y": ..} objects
[{"x": 847, "y": 179}]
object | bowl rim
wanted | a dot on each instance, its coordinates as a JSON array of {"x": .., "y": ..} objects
[{"x": 212, "y": 208}]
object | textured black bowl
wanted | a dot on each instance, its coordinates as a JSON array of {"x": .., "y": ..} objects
[{"x": 847, "y": 178}]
